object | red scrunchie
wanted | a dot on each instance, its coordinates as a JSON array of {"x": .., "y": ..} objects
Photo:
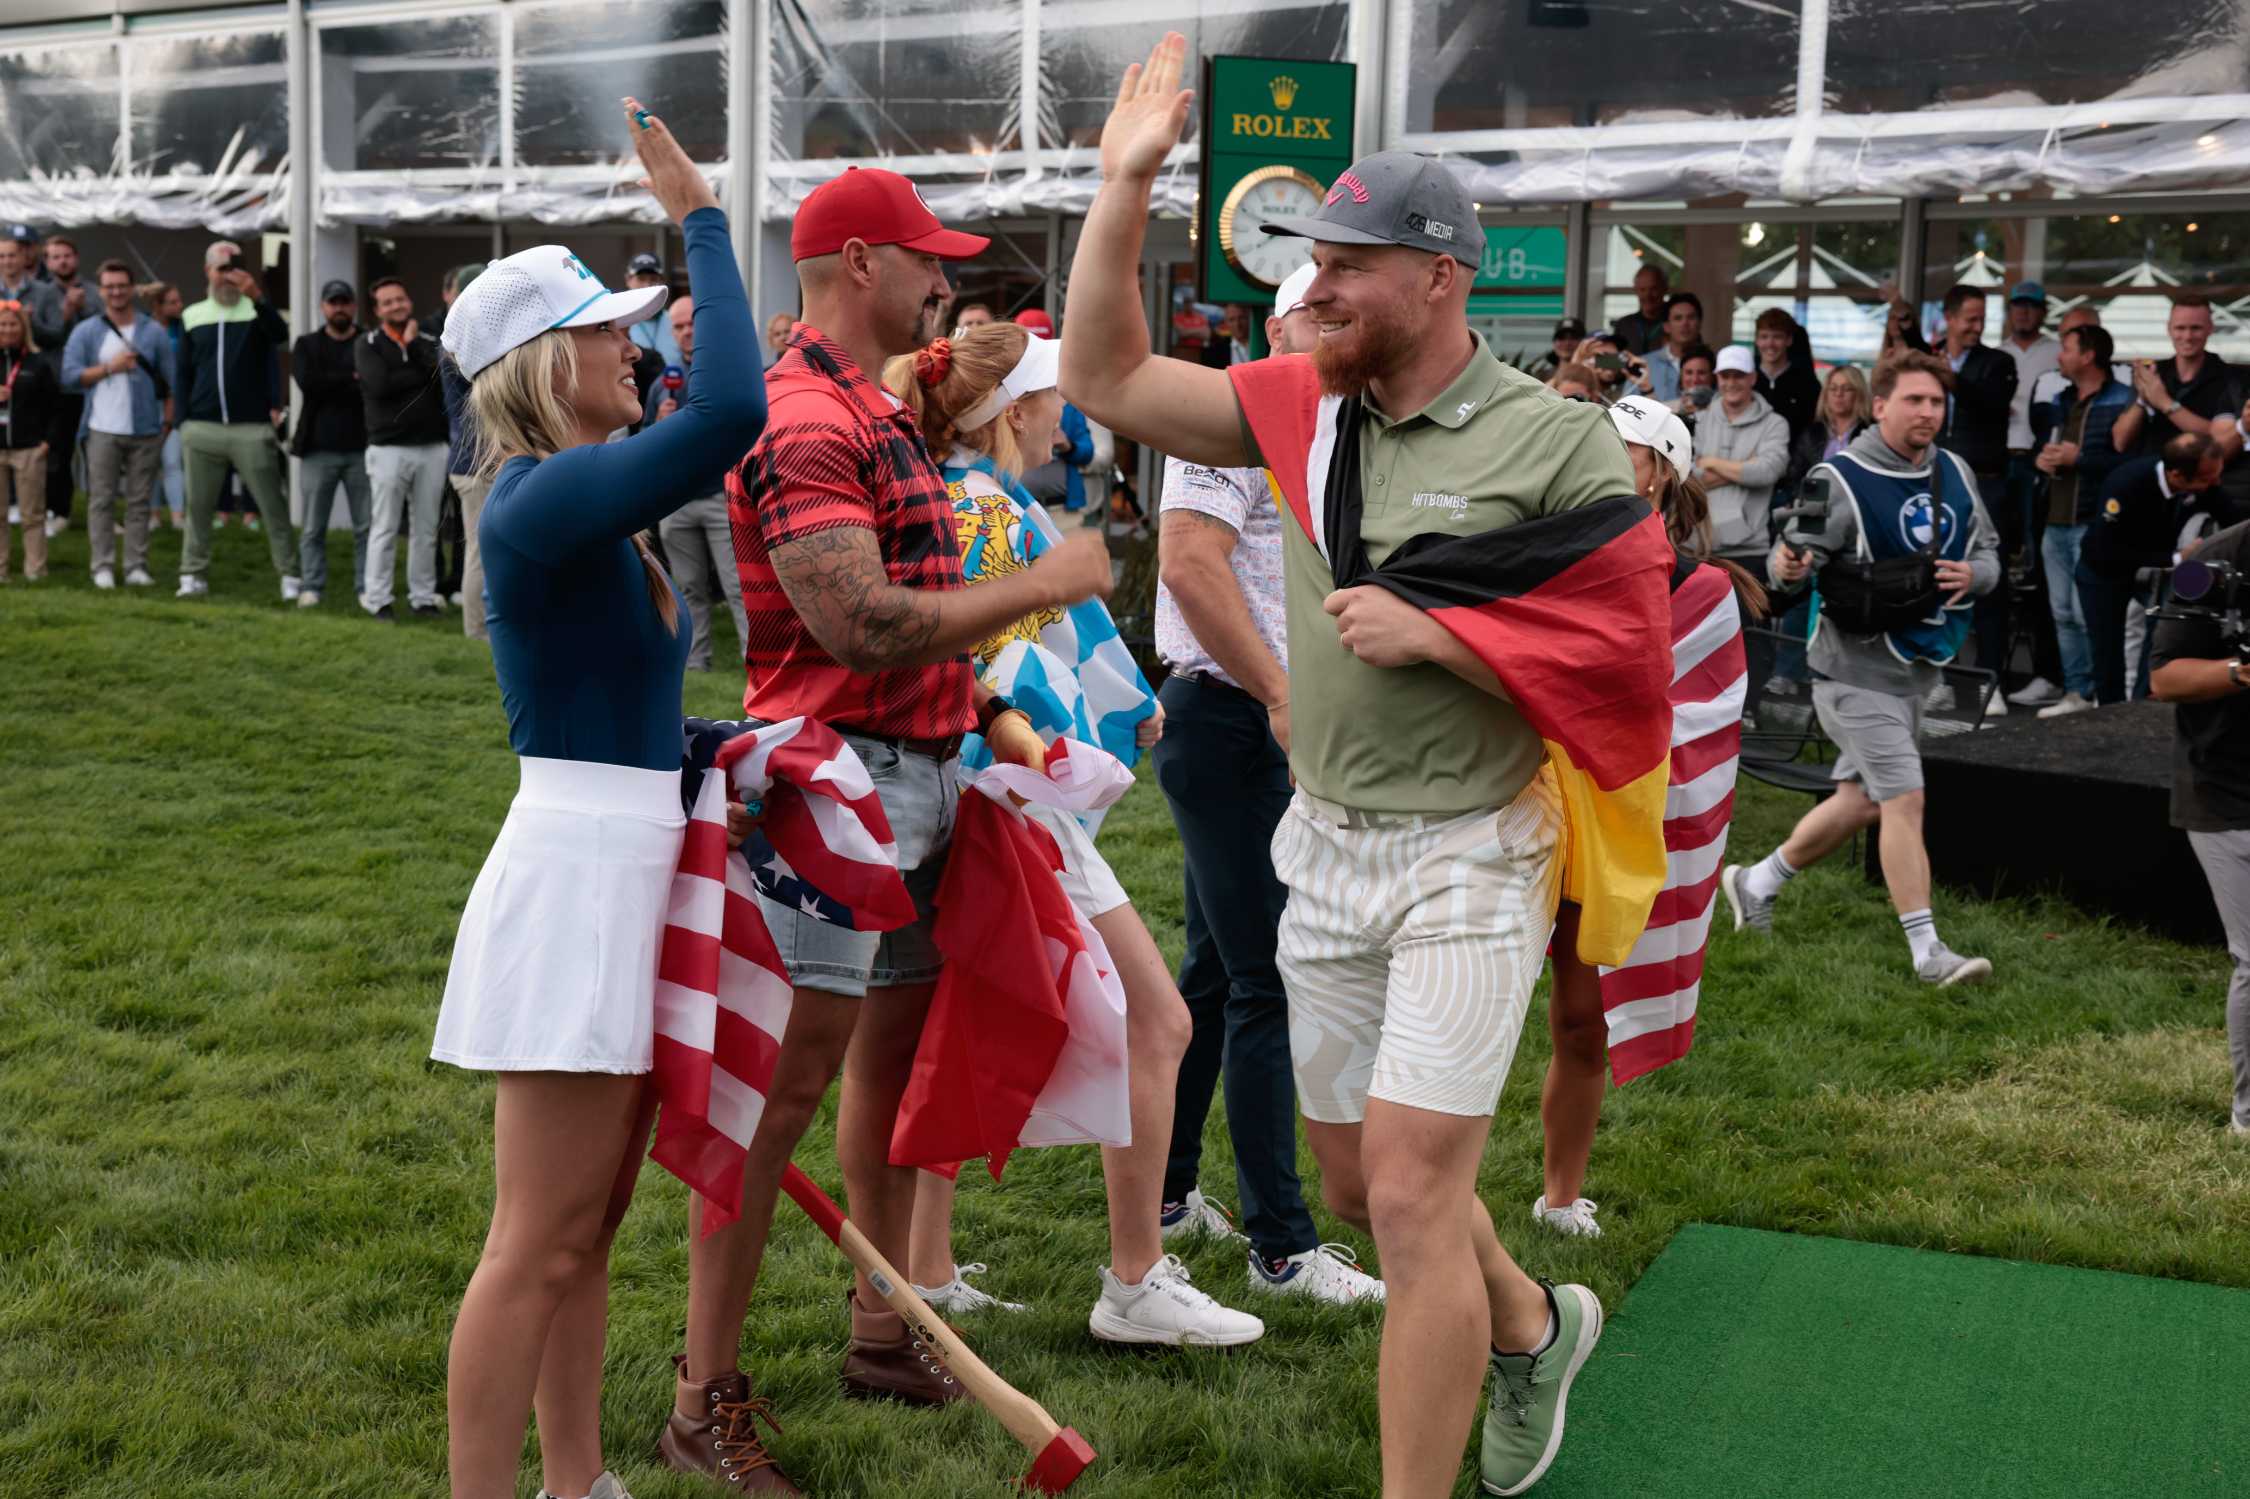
[{"x": 933, "y": 364}]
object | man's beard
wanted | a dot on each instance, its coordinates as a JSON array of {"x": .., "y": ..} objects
[
  {"x": 1376, "y": 344},
  {"x": 339, "y": 322},
  {"x": 925, "y": 323}
]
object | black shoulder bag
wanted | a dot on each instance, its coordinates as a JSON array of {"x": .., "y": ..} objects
[
  {"x": 1873, "y": 596},
  {"x": 155, "y": 375}
]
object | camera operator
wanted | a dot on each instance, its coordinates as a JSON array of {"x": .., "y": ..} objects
[
  {"x": 2136, "y": 529},
  {"x": 1902, "y": 544},
  {"x": 2199, "y": 661}
]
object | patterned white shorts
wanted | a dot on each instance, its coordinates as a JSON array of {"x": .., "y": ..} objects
[{"x": 1410, "y": 947}]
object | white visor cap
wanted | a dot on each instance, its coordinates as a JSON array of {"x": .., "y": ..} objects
[
  {"x": 1641, "y": 420},
  {"x": 532, "y": 292},
  {"x": 1291, "y": 294},
  {"x": 1040, "y": 368}
]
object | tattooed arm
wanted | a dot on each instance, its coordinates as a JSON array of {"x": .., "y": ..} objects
[{"x": 836, "y": 581}]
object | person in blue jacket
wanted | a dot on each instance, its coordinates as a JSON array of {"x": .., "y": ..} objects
[{"x": 554, "y": 971}]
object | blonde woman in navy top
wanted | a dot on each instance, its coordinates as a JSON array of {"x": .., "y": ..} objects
[{"x": 554, "y": 970}]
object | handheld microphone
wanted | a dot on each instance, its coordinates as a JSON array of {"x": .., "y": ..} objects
[{"x": 673, "y": 378}]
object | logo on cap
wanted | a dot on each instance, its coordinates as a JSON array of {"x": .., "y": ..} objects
[
  {"x": 1284, "y": 91},
  {"x": 579, "y": 266},
  {"x": 1417, "y": 224},
  {"x": 1346, "y": 183}
]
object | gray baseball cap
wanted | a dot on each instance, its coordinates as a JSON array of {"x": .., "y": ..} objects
[{"x": 1395, "y": 198}]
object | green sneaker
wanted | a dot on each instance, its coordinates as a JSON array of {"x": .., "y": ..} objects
[{"x": 1524, "y": 1424}]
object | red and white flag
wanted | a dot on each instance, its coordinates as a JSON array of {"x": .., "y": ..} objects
[
  {"x": 722, "y": 994},
  {"x": 1649, "y": 1001}
]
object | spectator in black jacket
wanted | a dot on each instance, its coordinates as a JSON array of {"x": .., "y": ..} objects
[
  {"x": 1976, "y": 428},
  {"x": 61, "y": 302},
  {"x": 1642, "y": 332},
  {"x": 331, "y": 441},
  {"x": 406, "y": 442},
  {"x": 27, "y": 415},
  {"x": 230, "y": 377},
  {"x": 2144, "y": 505},
  {"x": 2193, "y": 391},
  {"x": 1784, "y": 379}
]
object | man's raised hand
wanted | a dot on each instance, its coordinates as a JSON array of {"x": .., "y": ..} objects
[{"x": 1151, "y": 111}]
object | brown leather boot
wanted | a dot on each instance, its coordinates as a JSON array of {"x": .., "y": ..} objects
[
  {"x": 723, "y": 1443},
  {"x": 887, "y": 1361}
]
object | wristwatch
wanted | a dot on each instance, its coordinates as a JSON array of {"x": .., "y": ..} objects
[{"x": 990, "y": 709}]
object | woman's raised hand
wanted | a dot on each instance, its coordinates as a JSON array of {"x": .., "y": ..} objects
[{"x": 679, "y": 188}]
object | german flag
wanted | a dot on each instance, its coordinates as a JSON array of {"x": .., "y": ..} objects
[{"x": 1572, "y": 612}]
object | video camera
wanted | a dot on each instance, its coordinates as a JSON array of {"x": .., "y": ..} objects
[{"x": 2210, "y": 591}]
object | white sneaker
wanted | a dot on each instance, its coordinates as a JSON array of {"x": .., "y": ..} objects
[
  {"x": 2237, "y": 1127},
  {"x": 15, "y": 516},
  {"x": 291, "y": 590},
  {"x": 2036, "y": 693},
  {"x": 454, "y": 598},
  {"x": 309, "y": 599},
  {"x": 1166, "y": 1309},
  {"x": 2071, "y": 703},
  {"x": 104, "y": 578},
  {"x": 957, "y": 1295},
  {"x": 1939, "y": 698},
  {"x": 1997, "y": 707},
  {"x": 1328, "y": 1273},
  {"x": 605, "y": 1487},
  {"x": 1576, "y": 1220},
  {"x": 192, "y": 587},
  {"x": 1195, "y": 1217},
  {"x": 56, "y": 525},
  {"x": 139, "y": 578}
]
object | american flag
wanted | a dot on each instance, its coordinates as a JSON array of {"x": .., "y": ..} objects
[
  {"x": 722, "y": 994},
  {"x": 1649, "y": 1001}
]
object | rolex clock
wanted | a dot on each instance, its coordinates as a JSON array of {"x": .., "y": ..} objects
[{"x": 1260, "y": 197}]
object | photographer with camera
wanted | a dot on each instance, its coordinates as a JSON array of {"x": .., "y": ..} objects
[
  {"x": 2136, "y": 531},
  {"x": 2202, "y": 663},
  {"x": 1901, "y": 542},
  {"x": 232, "y": 412}
]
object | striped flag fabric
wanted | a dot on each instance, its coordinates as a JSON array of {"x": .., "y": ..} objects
[
  {"x": 1649, "y": 1000},
  {"x": 722, "y": 994}
]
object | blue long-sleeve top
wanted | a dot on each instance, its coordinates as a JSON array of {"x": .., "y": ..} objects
[
  {"x": 1074, "y": 462},
  {"x": 587, "y": 669}
]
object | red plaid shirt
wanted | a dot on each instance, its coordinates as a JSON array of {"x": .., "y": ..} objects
[{"x": 837, "y": 451}]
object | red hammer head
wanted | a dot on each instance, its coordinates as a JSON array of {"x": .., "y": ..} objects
[{"x": 1059, "y": 1464}]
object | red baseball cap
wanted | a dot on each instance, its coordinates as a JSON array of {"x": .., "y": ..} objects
[
  {"x": 1036, "y": 319},
  {"x": 879, "y": 207}
]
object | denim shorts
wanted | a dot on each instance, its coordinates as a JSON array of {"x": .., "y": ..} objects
[{"x": 920, "y": 796}]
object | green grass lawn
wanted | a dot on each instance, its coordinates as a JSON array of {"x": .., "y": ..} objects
[{"x": 238, "y": 1205}]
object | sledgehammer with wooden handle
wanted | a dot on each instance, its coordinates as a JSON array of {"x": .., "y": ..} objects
[{"x": 1059, "y": 1454}]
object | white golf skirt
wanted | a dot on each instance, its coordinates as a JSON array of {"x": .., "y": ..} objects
[{"x": 554, "y": 969}]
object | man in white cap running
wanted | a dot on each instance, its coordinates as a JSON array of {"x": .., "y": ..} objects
[{"x": 1224, "y": 766}]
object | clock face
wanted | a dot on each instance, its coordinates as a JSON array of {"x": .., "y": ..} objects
[{"x": 1265, "y": 195}]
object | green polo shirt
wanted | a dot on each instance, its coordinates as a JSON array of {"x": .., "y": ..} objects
[{"x": 1494, "y": 448}]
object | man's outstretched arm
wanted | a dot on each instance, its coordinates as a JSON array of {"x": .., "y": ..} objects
[{"x": 1175, "y": 407}]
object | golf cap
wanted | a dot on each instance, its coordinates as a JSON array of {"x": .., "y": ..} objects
[
  {"x": 1570, "y": 327},
  {"x": 1395, "y": 198},
  {"x": 338, "y": 291},
  {"x": 2029, "y": 291},
  {"x": 1039, "y": 368},
  {"x": 880, "y": 208},
  {"x": 22, "y": 234},
  {"x": 1651, "y": 425},
  {"x": 1034, "y": 320},
  {"x": 644, "y": 264},
  {"x": 532, "y": 292},
  {"x": 1736, "y": 357},
  {"x": 1290, "y": 295}
]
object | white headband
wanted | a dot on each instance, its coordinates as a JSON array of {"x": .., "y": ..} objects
[{"x": 1040, "y": 368}]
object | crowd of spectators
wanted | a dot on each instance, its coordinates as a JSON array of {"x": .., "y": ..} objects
[
  {"x": 163, "y": 412},
  {"x": 2098, "y": 475}
]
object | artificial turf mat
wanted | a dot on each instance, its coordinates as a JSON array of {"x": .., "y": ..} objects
[{"x": 1750, "y": 1364}]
